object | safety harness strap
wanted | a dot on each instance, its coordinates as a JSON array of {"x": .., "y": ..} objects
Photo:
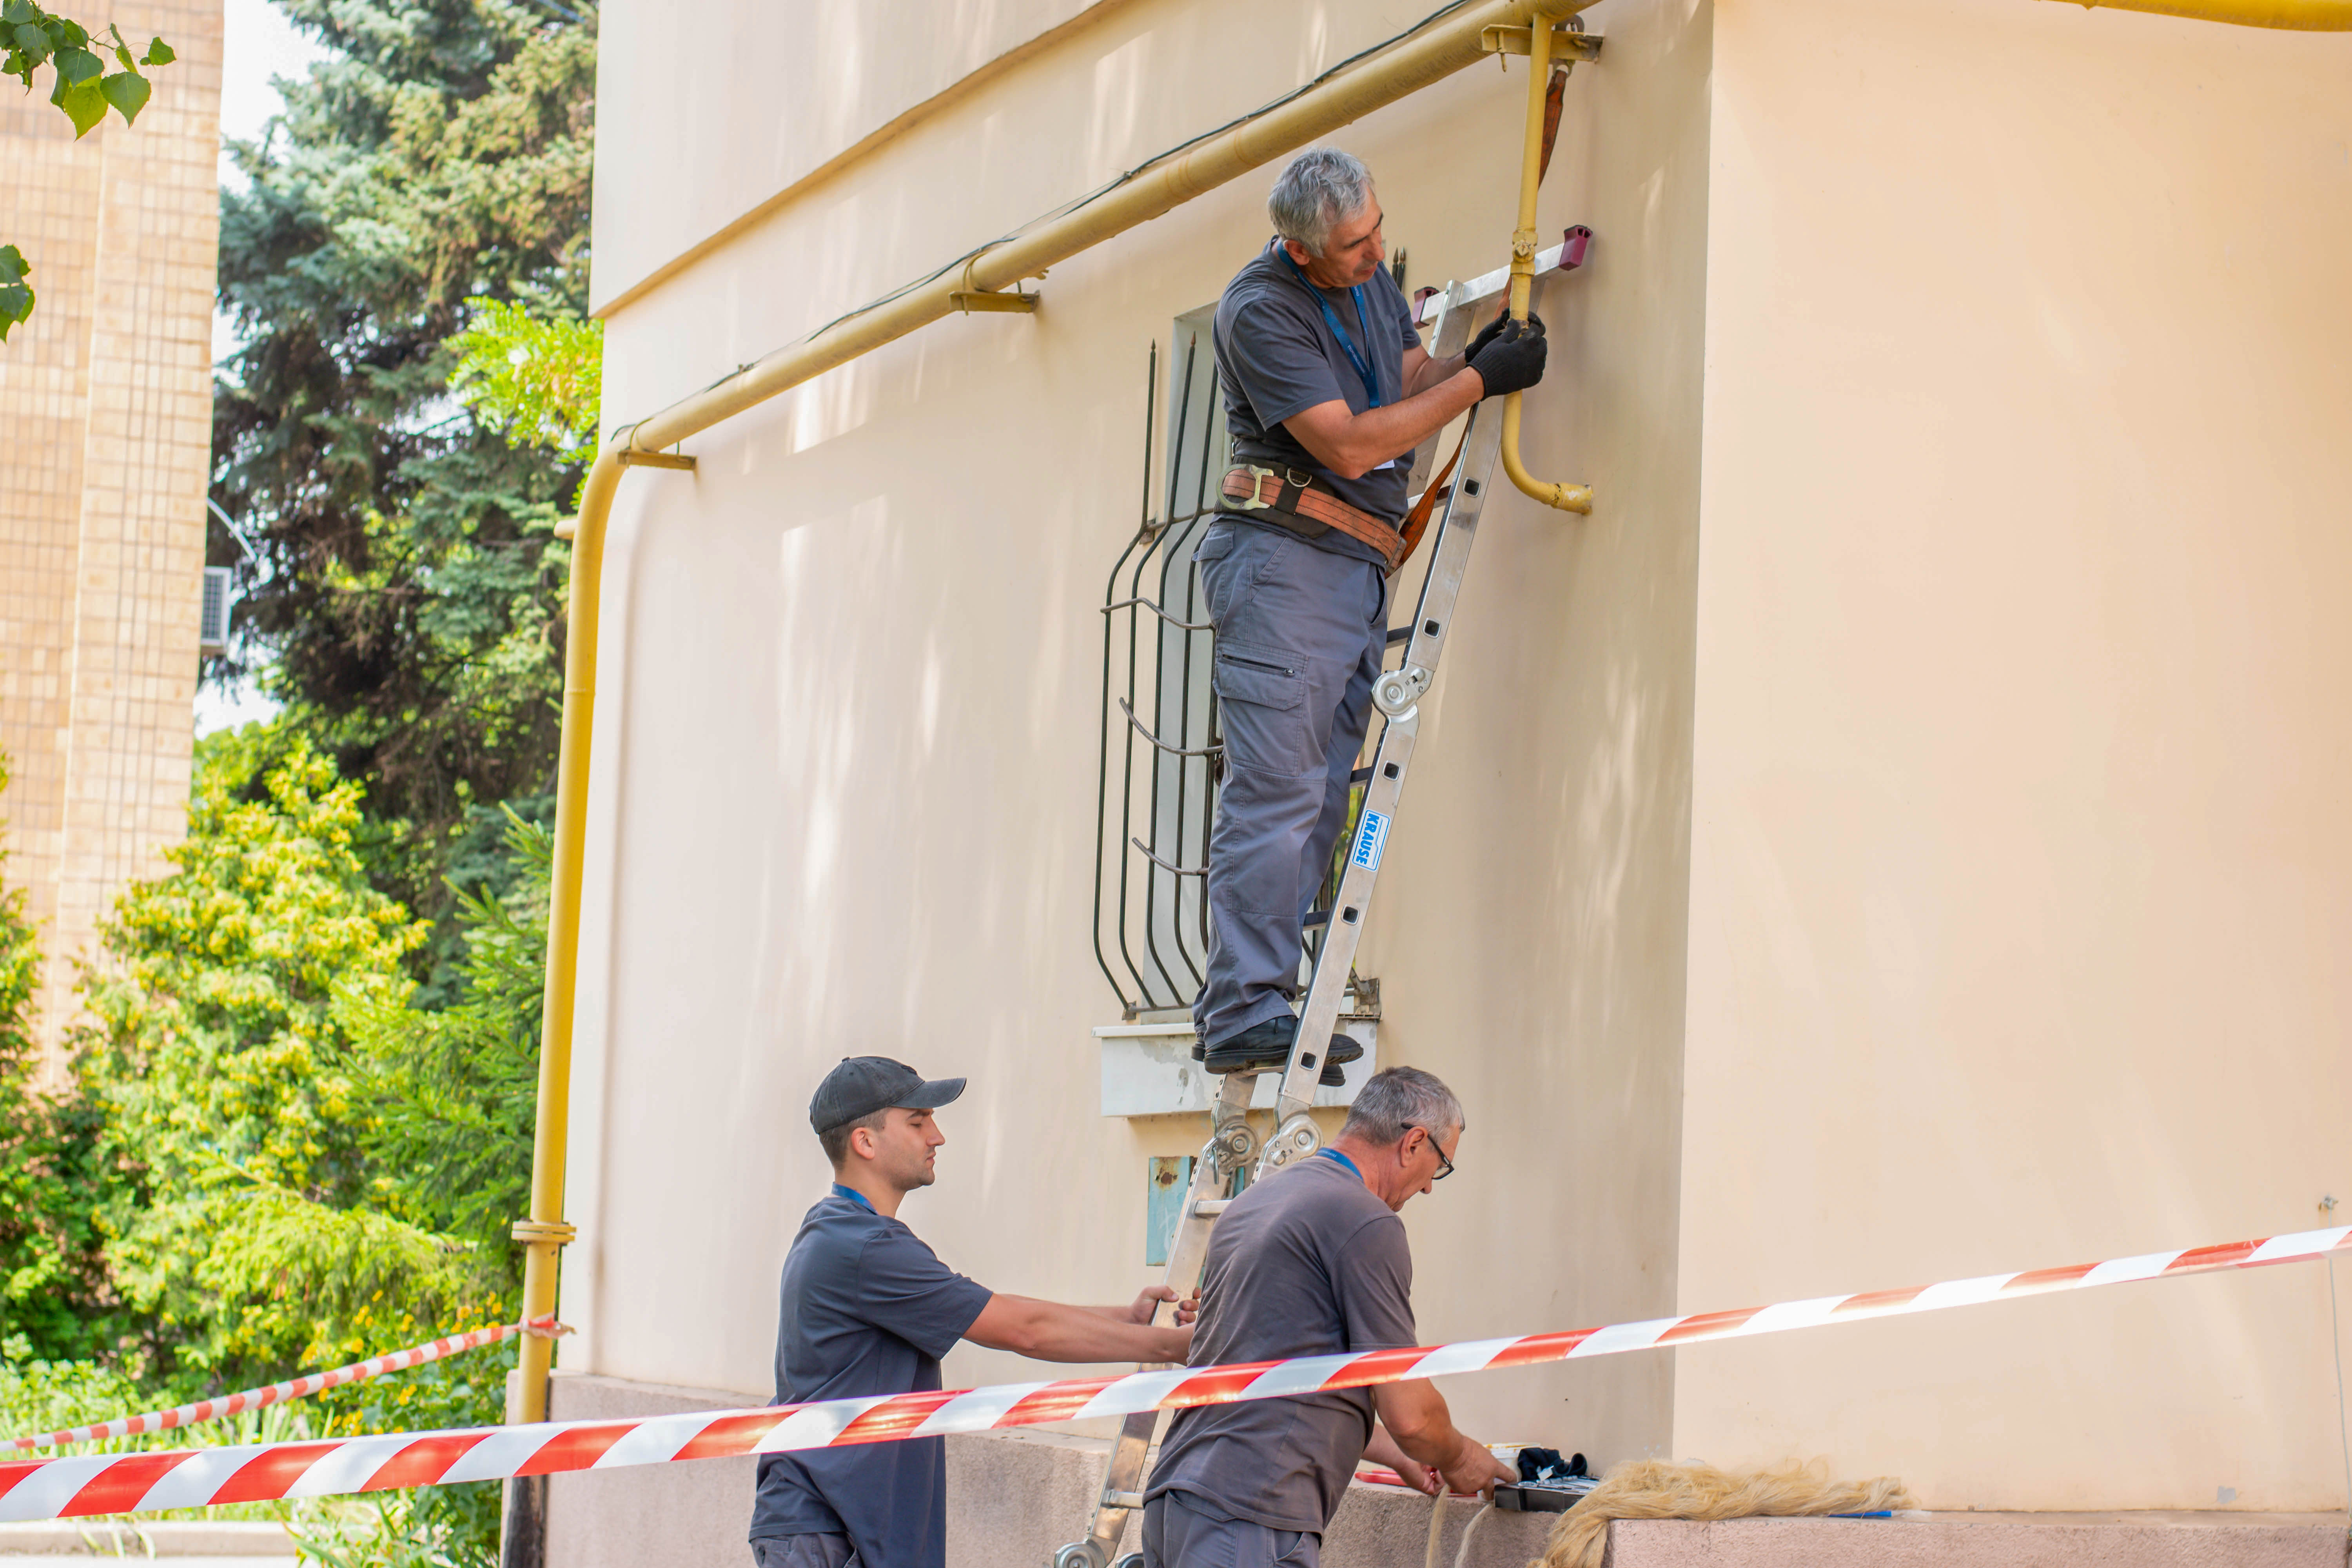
[{"x": 1291, "y": 496}]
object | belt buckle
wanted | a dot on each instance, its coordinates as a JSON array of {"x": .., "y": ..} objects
[{"x": 1251, "y": 502}]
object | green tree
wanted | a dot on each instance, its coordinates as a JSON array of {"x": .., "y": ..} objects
[
  {"x": 407, "y": 592},
  {"x": 237, "y": 1225},
  {"x": 304, "y": 1162},
  {"x": 536, "y": 380},
  {"x": 456, "y": 1088},
  {"x": 85, "y": 90}
]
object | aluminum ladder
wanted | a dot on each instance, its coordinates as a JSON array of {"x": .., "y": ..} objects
[{"x": 1234, "y": 1144}]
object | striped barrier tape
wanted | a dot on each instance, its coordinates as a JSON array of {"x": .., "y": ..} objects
[
  {"x": 292, "y": 1388},
  {"x": 125, "y": 1483}
]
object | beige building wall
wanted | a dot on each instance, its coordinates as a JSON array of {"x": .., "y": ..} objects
[
  {"x": 847, "y": 725},
  {"x": 2021, "y": 872},
  {"x": 106, "y": 410}
]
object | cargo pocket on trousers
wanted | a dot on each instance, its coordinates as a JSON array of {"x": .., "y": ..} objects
[
  {"x": 1263, "y": 676},
  {"x": 1264, "y": 696}
]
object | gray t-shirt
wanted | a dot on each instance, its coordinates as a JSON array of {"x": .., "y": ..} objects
[
  {"x": 867, "y": 1309},
  {"x": 1305, "y": 1263},
  {"x": 1277, "y": 356}
]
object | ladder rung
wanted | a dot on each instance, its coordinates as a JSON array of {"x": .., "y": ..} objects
[
  {"x": 1210, "y": 1208},
  {"x": 1315, "y": 918},
  {"x": 1122, "y": 1499},
  {"x": 1361, "y": 775},
  {"x": 1399, "y": 633}
]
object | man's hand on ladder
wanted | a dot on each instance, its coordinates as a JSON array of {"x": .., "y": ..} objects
[{"x": 1146, "y": 1307}]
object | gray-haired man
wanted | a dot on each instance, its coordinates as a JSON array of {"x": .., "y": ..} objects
[
  {"x": 1327, "y": 392},
  {"x": 1313, "y": 1261}
]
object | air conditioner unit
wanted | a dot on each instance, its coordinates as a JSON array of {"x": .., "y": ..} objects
[{"x": 211, "y": 632}]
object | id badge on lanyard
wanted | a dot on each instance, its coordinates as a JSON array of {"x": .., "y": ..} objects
[{"x": 1347, "y": 345}]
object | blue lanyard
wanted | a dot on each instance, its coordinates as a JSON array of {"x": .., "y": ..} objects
[
  {"x": 1335, "y": 1154},
  {"x": 853, "y": 1195},
  {"x": 1363, "y": 368}
]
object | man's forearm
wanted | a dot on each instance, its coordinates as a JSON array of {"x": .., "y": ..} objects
[
  {"x": 1049, "y": 1330},
  {"x": 1353, "y": 445},
  {"x": 1086, "y": 1333},
  {"x": 1435, "y": 373}
]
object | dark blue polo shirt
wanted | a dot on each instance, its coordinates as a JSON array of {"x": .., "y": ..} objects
[
  {"x": 1277, "y": 356},
  {"x": 867, "y": 1309}
]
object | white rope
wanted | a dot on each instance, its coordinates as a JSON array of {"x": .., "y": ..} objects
[
  {"x": 1461, "y": 1555},
  {"x": 1432, "y": 1556}
]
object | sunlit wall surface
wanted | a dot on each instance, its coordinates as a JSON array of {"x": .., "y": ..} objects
[{"x": 1898, "y": 835}]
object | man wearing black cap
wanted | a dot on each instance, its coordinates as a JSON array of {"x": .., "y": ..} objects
[{"x": 869, "y": 1309}]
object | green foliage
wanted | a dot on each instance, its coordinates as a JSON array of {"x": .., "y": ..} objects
[
  {"x": 407, "y": 591},
  {"x": 300, "y": 1121},
  {"x": 217, "y": 1066},
  {"x": 84, "y": 86},
  {"x": 436, "y": 1527},
  {"x": 457, "y": 1088},
  {"x": 536, "y": 380},
  {"x": 307, "y": 1164},
  {"x": 31, "y": 37},
  {"x": 16, "y": 294},
  {"x": 53, "y": 1292},
  {"x": 38, "y": 1395}
]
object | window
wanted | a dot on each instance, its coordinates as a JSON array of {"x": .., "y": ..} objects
[
  {"x": 1159, "y": 772},
  {"x": 1161, "y": 751}
]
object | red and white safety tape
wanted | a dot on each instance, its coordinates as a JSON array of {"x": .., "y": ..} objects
[
  {"x": 292, "y": 1388},
  {"x": 125, "y": 1483}
]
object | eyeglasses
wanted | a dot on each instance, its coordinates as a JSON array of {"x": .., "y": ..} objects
[{"x": 1444, "y": 1165}]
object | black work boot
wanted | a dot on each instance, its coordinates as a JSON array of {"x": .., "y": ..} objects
[{"x": 1265, "y": 1046}]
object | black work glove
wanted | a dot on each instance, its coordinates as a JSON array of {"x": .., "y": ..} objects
[
  {"x": 1514, "y": 361},
  {"x": 1487, "y": 332}
]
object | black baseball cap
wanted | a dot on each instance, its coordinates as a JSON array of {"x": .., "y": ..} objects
[{"x": 861, "y": 1086}]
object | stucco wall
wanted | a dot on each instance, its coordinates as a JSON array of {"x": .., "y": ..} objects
[
  {"x": 1980, "y": 747},
  {"x": 2021, "y": 872},
  {"x": 722, "y": 111},
  {"x": 847, "y": 728}
]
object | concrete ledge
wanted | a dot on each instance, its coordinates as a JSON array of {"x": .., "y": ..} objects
[
  {"x": 1990, "y": 1539},
  {"x": 154, "y": 1537},
  {"x": 1014, "y": 1496}
]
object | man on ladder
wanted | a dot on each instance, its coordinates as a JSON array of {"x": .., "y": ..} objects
[{"x": 1326, "y": 391}]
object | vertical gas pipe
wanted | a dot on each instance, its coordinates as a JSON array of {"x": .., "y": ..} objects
[
  {"x": 544, "y": 1233},
  {"x": 1567, "y": 498}
]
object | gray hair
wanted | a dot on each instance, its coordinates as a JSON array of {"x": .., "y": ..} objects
[
  {"x": 1398, "y": 1099},
  {"x": 1322, "y": 186}
]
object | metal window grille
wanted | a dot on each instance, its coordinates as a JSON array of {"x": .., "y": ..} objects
[{"x": 1161, "y": 748}]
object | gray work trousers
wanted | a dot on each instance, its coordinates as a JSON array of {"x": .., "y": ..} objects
[
  {"x": 1179, "y": 1535},
  {"x": 1301, "y": 632},
  {"x": 803, "y": 1551}
]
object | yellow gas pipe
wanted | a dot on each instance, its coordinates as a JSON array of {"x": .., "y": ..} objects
[
  {"x": 1567, "y": 498},
  {"x": 2301, "y": 16}
]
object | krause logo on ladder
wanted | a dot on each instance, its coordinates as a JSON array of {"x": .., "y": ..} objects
[{"x": 1371, "y": 837}]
